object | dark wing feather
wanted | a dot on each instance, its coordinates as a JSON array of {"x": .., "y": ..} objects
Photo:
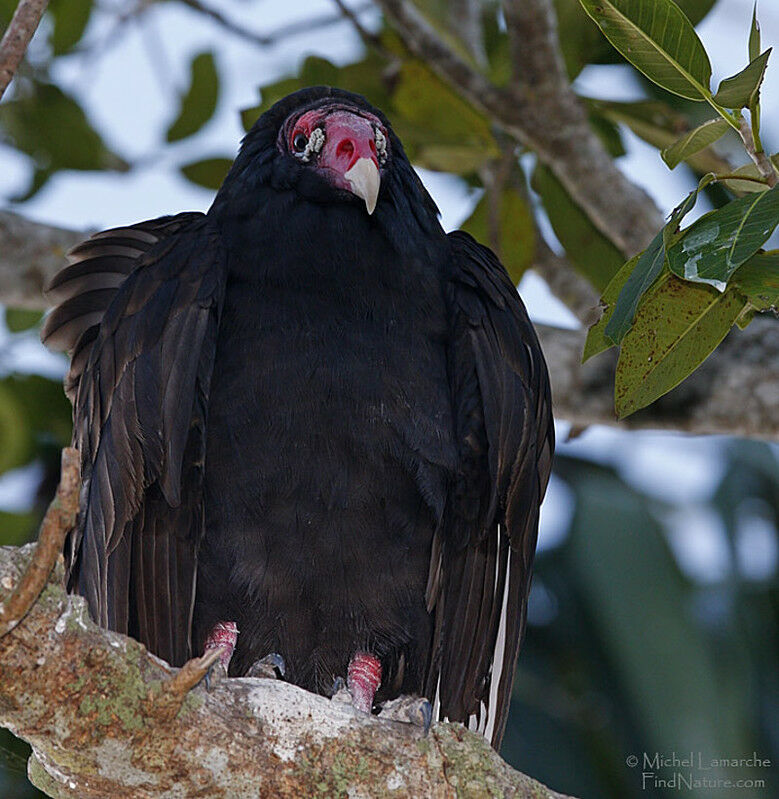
[
  {"x": 482, "y": 560},
  {"x": 138, "y": 311}
]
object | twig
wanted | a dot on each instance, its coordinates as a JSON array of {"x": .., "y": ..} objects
[
  {"x": 265, "y": 40},
  {"x": 16, "y": 38},
  {"x": 165, "y": 706},
  {"x": 369, "y": 39},
  {"x": 763, "y": 162},
  {"x": 60, "y": 517},
  {"x": 192, "y": 672}
]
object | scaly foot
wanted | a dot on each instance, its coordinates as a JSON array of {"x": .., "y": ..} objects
[
  {"x": 224, "y": 636},
  {"x": 363, "y": 679}
]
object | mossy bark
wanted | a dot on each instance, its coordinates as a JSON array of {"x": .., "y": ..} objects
[{"x": 103, "y": 720}]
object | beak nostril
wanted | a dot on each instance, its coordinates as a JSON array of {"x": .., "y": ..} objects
[{"x": 345, "y": 147}]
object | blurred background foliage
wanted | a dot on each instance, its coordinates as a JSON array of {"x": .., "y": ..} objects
[{"x": 630, "y": 648}]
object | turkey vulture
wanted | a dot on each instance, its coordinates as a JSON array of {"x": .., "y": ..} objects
[{"x": 312, "y": 414}]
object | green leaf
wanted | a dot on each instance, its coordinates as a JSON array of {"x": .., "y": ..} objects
[
  {"x": 20, "y": 319},
  {"x": 661, "y": 663},
  {"x": 51, "y": 127},
  {"x": 609, "y": 134},
  {"x": 364, "y": 77},
  {"x": 17, "y": 528},
  {"x": 509, "y": 229},
  {"x": 758, "y": 280},
  {"x": 596, "y": 341},
  {"x": 714, "y": 246},
  {"x": 658, "y": 39},
  {"x": 199, "y": 101},
  {"x": 70, "y": 18},
  {"x": 748, "y": 178},
  {"x": 209, "y": 173},
  {"x": 694, "y": 141},
  {"x": 586, "y": 247},
  {"x": 742, "y": 89},
  {"x": 456, "y": 138},
  {"x": 754, "y": 35},
  {"x": 648, "y": 267},
  {"x": 657, "y": 124},
  {"x": 15, "y": 439},
  {"x": 671, "y": 232},
  {"x": 582, "y": 43},
  {"x": 677, "y": 327}
]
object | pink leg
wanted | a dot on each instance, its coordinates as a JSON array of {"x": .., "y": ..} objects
[
  {"x": 225, "y": 634},
  {"x": 363, "y": 680}
]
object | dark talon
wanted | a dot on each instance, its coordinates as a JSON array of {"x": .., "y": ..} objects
[
  {"x": 414, "y": 710},
  {"x": 426, "y": 710},
  {"x": 338, "y": 685},
  {"x": 271, "y": 667},
  {"x": 214, "y": 676}
]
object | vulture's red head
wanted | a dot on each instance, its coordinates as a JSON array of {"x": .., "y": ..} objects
[
  {"x": 346, "y": 145},
  {"x": 328, "y": 146}
]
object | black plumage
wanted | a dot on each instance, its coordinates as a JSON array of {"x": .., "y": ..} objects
[{"x": 330, "y": 426}]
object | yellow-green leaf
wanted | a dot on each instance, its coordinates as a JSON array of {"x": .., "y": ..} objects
[
  {"x": 747, "y": 178},
  {"x": 508, "y": 229},
  {"x": 453, "y": 126},
  {"x": 678, "y": 325},
  {"x": 694, "y": 141},
  {"x": 20, "y": 319},
  {"x": 70, "y": 18},
  {"x": 658, "y": 39},
  {"x": 758, "y": 280}
]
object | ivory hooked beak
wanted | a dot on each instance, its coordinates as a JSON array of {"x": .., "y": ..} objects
[{"x": 365, "y": 181}]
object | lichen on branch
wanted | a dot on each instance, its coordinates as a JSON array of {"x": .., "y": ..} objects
[{"x": 106, "y": 718}]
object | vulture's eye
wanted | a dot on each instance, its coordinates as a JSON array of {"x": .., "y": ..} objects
[{"x": 299, "y": 142}]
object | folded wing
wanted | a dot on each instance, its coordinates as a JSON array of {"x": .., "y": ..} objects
[
  {"x": 138, "y": 312},
  {"x": 483, "y": 555}
]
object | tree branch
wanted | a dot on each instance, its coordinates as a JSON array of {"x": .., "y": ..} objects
[
  {"x": 712, "y": 400},
  {"x": 265, "y": 40},
  {"x": 763, "y": 163},
  {"x": 565, "y": 282},
  {"x": 92, "y": 704},
  {"x": 20, "y": 30},
  {"x": 542, "y": 113},
  {"x": 734, "y": 392},
  {"x": 30, "y": 255}
]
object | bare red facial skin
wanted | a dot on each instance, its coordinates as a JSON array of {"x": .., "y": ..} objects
[{"x": 349, "y": 136}]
